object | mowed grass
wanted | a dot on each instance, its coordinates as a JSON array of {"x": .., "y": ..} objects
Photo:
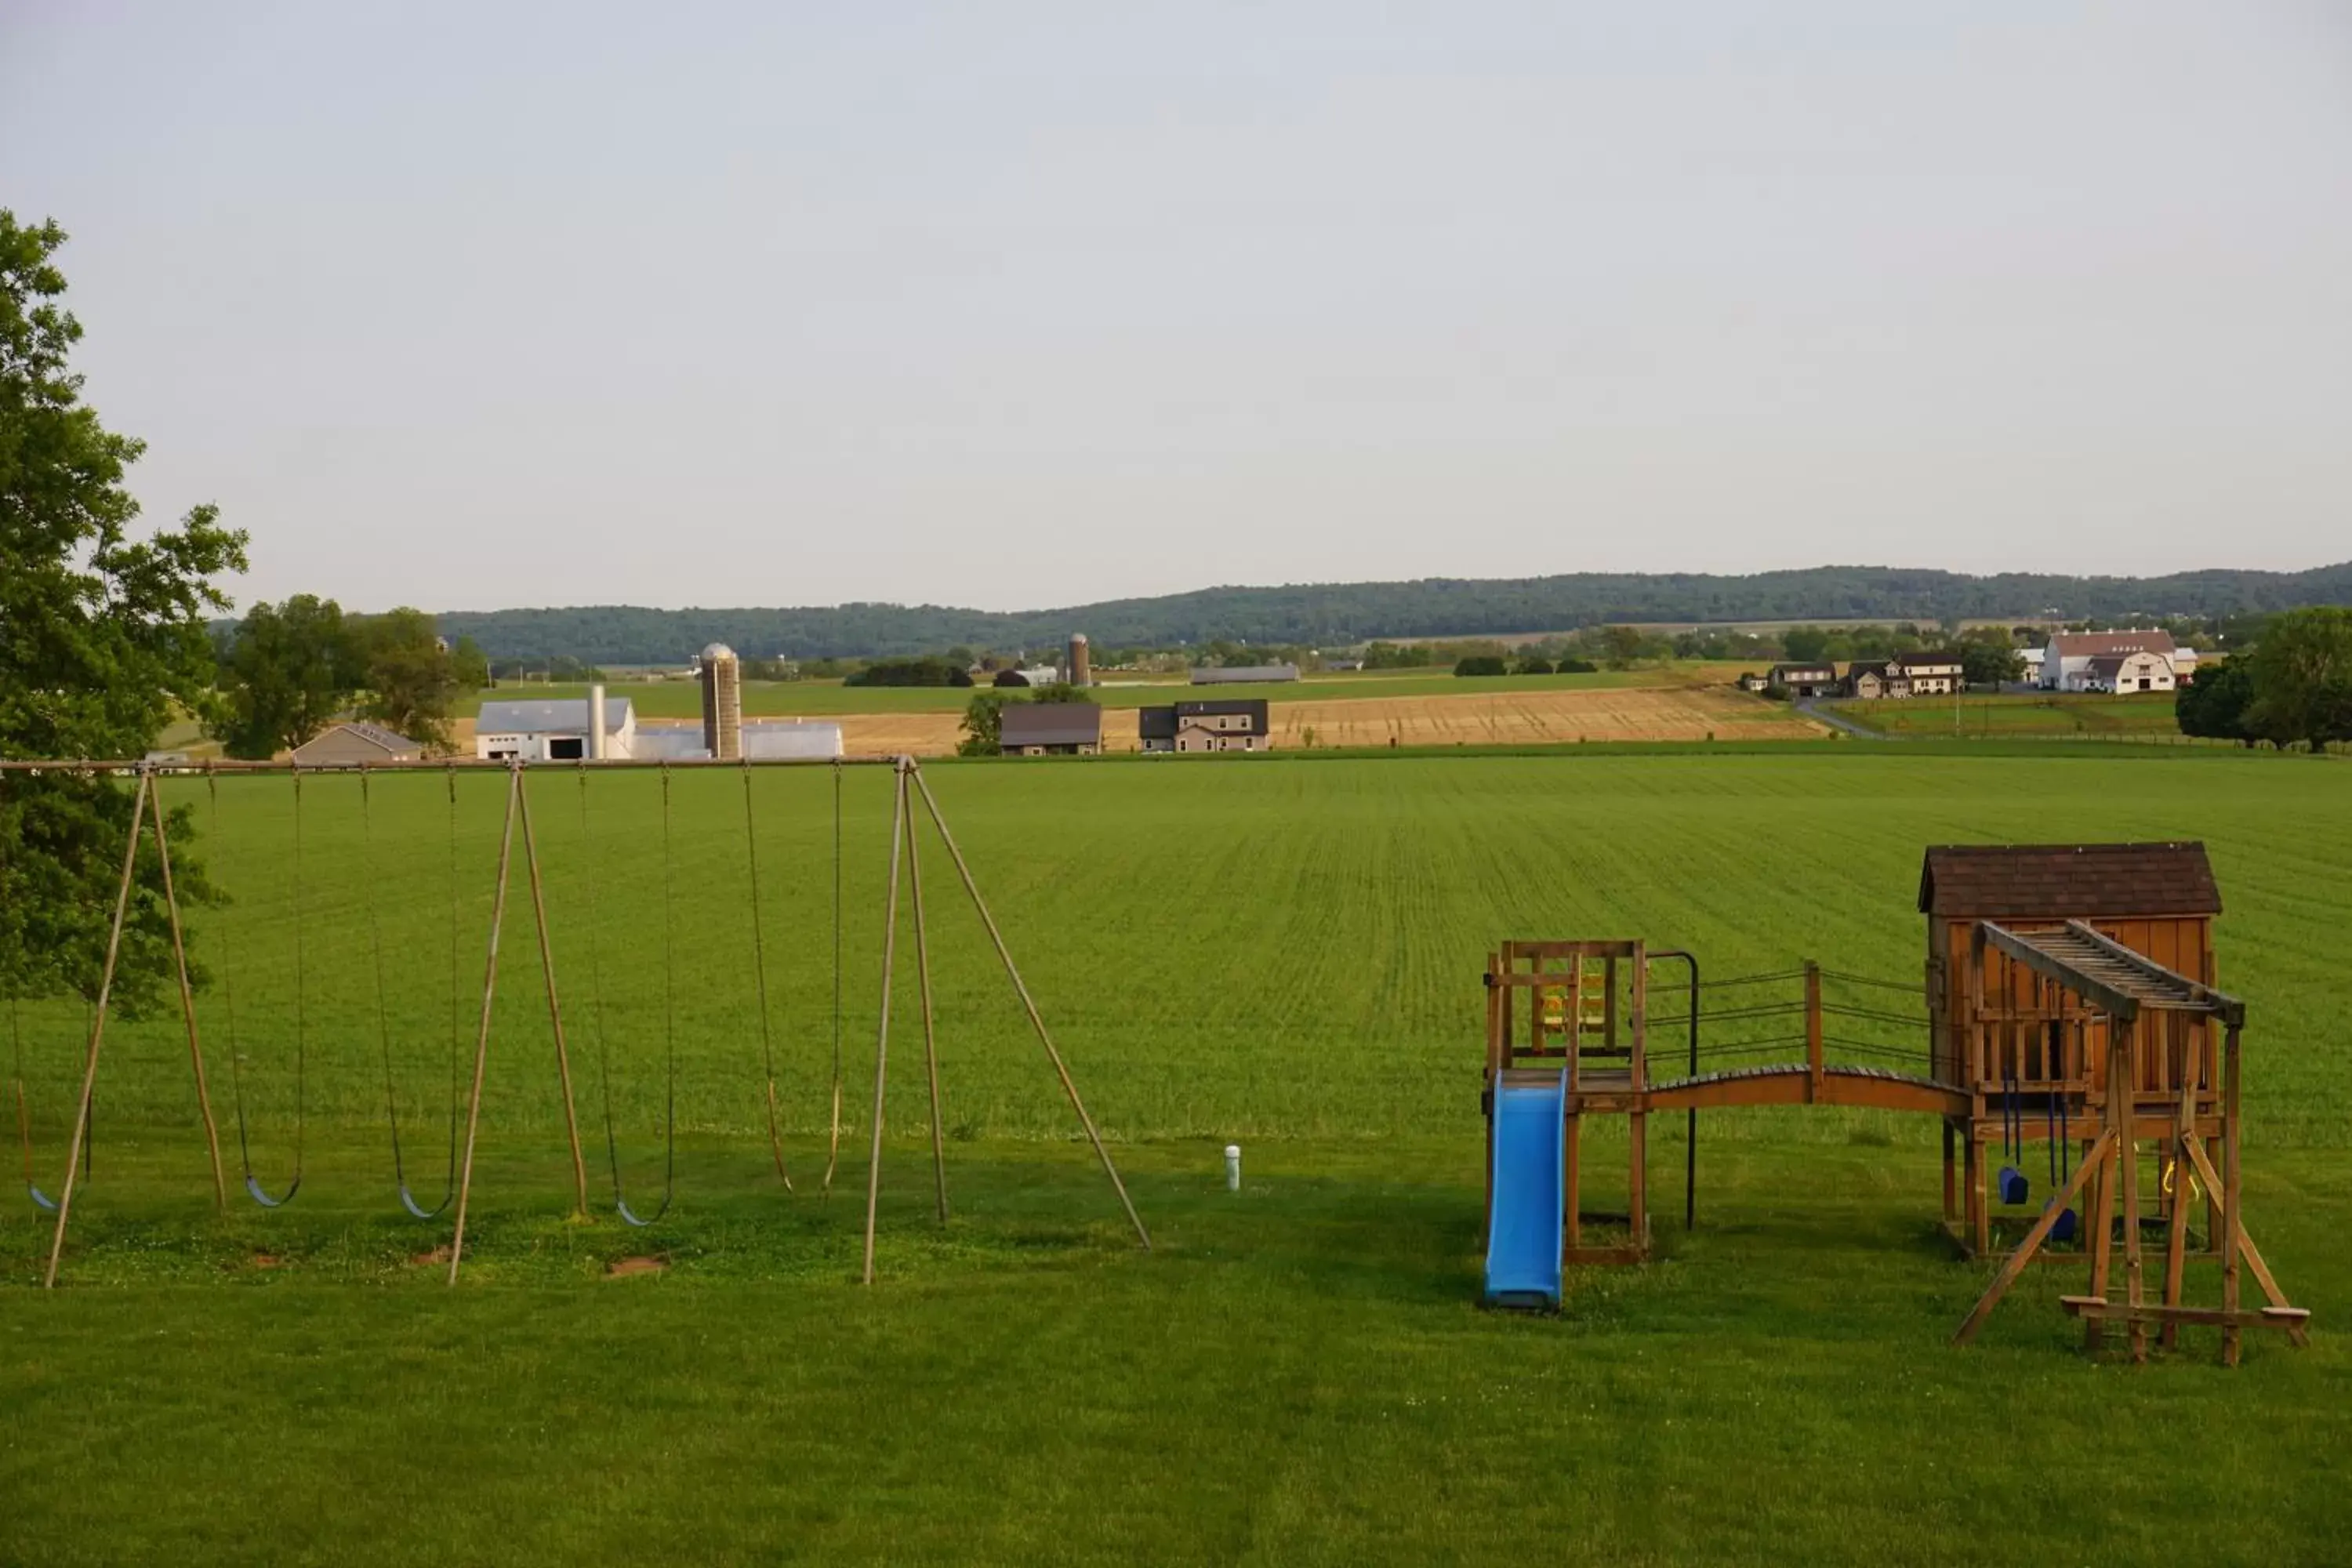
[
  {"x": 1281, "y": 952},
  {"x": 2019, "y": 716}
]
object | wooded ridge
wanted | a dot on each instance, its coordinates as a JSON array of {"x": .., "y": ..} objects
[{"x": 1338, "y": 614}]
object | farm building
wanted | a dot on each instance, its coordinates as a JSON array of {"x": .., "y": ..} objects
[
  {"x": 553, "y": 730},
  {"x": 1929, "y": 674},
  {"x": 1213, "y": 725},
  {"x": 2123, "y": 672},
  {"x": 345, "y": 744},
  {"x": 1804, "y": 679},
  {"x": 765, "y": 739},
  {"x": 1051, "y": 729},
  {"x": 1874, "y": 682},
  {"x": 2066, "y": 659},
  {"x": 1245, "y": 675},
  {"x": 1032, "y": 675}
]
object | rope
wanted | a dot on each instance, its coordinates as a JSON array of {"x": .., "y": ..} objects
[
  {"x": 236, "y": 1073},
  {"x": 1726, "y": 1015},
  {"x": 1904, "y": 985},
  {"x": 669, "y": 1018},
  {"x": 1909, "y": 1020},
  {"x": 1749, "y": 979},
  {"x": 383, "y": 1022},
  {"x": 760, "y": 969}
]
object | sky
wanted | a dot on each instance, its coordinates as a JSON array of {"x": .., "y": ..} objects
[{"x": 1022, "y": 305}]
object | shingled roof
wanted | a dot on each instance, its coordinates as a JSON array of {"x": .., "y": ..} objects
[{"x": 2057, "y": 881}]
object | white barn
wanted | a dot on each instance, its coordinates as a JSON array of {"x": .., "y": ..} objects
[
  {"x": 554, "y": 729},
  {"x": 2067, "y": 659}
]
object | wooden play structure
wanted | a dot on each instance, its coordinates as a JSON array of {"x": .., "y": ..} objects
[{"x": 2071, "y": 997}]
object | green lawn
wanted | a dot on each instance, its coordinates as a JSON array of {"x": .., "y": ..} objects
[
  {"x": 2071, "y": 716},
  {"x": 1281, "y": 952}
]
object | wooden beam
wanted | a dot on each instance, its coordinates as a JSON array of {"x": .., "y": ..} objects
[
  {"x": 1812, "y": 1032},
  {"x": 2094, "y": 1307},
  {"x": 2246, "y": 1248},
  {"x": 482, "y": 1030},
  {"x": 2122, "y": 1005},
  {"x": 2227, "y": 1008},
  {"x": 2176, "y": 1240},
  {"x": 2017, "y": 1260}
]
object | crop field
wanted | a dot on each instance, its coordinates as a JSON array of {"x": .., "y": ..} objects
[
  {"x": 1278, "y": 951},
  {"x": 2052, "y": 717}
]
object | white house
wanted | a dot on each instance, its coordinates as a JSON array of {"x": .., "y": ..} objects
[
  {"x": 2032, "y": 657},
  {"x": 2066, "y": 659},
  {"x": 1929, "y": 674},
  {"x": 553, "y": 731}
]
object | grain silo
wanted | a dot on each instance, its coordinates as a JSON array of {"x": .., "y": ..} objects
[
  {"x": 1080, "y": 672},
  {"x": 722, "y": 703}
]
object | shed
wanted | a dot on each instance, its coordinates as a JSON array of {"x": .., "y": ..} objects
[
  {"x": 2158, "y": 899},
  {"x": 346, "y": 746},
  {"x": 1245, "y": 674},
  {"x": 552, "y": 729}
]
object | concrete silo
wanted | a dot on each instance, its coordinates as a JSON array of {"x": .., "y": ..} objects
[{"x": 722, "y": 703}]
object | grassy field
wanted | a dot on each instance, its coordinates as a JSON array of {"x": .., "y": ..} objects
[
  {"x": 2051, "y": 716},
  {"x": 1281, "y": 952}
]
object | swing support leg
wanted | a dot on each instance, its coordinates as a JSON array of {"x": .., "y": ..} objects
[
  {"x": 2026, "y": 1250},
  {"x": 1037, "y": 1021},
  {"x": 2184, "y": 1133},
  {"x": 554, "y": 1008},
  {"x": 930, "y": 1043},
  {"x": 188, "y": 1003},
  {"x": 482, "y": 1033},
  {"x": 97, "y": 1028},
  {"x": 882, "y": 1033}
]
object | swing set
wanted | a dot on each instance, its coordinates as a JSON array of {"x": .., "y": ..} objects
[{"x": 465, "y": 1103}]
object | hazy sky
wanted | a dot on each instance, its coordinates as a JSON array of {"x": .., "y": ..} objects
[{"x": 1017, "y": 305}]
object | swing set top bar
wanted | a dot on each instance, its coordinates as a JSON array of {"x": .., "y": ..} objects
[{"x": 436, "y": 764}]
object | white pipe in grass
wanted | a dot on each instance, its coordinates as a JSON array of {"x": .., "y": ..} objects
[{"x": 1232, "y": 1167}]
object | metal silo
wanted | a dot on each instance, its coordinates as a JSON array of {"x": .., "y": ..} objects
[
  {"x": 1080, "y": 672},
  {"x": 722, "y": 703}
]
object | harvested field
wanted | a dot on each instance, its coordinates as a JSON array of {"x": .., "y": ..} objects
[{"x": 1523, "y": 716}]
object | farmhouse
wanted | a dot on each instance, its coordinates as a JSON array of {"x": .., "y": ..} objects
[
  {"x": 1804, "y": 679},
  {"x": 1929, "y": 674},
  {"x": 553, "y": 730},
  {"x": 2066, "y": 659},
  {"x": 1050, "y": 729},
  {"x": 1215, "y": 724},
  {"x": 1245, "y": 675},
  {"x": 1871, "y": 681},
  {"x": 345, "y": 744}
]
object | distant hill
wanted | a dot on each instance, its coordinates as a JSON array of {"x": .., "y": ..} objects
[{"x": 1335, "y": 613}]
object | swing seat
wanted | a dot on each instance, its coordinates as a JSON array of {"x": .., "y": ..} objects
[
  {"x": 2065, "y": 1227},
  {"x": 2011, "y": 1184}
]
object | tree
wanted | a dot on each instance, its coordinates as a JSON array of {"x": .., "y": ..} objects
[
  {"x": 411, "y": 678},
  {"x": 469, "y": 665},
  {"x": 1481, "y": 664},
  {"x": 103, "y": 640},
  {"x": 1803, "y": 645},
  {"x": 1060, "y": 692},
  {"x": 1536, "y": 664},
  {"x": 289, "y": 669},
  {"x": 1989, "y": 658},
  {"x": 983, "y": 725},
  {"x": 1621, "y": 645},
  {"x": 2213, "y": 701},
  {"x": 2302, "y": 672}
]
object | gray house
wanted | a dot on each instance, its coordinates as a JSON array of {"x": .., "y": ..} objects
[{"x": 1050, "y": 729}]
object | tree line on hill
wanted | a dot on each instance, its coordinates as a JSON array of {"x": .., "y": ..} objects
[{"x": 1335, "y": 615}]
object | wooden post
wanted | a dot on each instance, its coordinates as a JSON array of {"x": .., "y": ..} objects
[
  {"x": 554, "y": 1009},
  {"x": 2127, "y": 1150},
  {"x": 97, "y": 1028},
  {"x": 1950, "y": 1188},
  {"x": 2103, "y": 1188},
  {"x": 482, "y": 1032},
  {"x": 2184, "y": 1133},
  {"x": 1980, "y": 1220},
  {"x": 188, "y": 1003},
  {"x": 1637, "y": 1130},
  {"x": 1571, "y": 1133},
  {"x": 882, "y": 1031},
  {"x": 2234, "y": 1217},
  {"x": 1812, "y": 1032},
  {"x": 1019, "y": 989},
  {"x": 930, "y": 1046}
]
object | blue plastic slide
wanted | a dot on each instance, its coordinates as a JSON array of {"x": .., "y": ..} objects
[{"x": 1523, "y": 1239}]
